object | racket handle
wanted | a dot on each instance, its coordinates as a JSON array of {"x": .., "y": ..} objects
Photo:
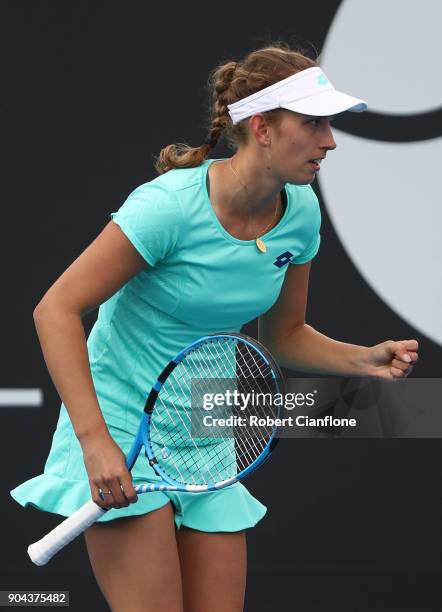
[{"x": 42, "y": 551}]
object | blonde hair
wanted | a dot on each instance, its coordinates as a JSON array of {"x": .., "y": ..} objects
[{"x": 228, "y": 83}]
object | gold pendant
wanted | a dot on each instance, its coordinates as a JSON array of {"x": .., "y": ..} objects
[{"x": 261, "y": 245}]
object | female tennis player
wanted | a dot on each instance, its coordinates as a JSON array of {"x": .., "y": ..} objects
[{"x": 205, "y": 247}]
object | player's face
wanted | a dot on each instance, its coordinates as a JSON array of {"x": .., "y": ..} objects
[{"x": 298, "y": 141}]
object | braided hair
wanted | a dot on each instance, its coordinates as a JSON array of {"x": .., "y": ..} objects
[{"x": 228, "y": 83}]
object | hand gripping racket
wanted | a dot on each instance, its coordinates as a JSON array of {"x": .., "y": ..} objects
[{"x": 186, "y": 454}]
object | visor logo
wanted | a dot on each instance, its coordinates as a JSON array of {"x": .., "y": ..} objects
[
  {"x": 322, "y": 80},
  {"x": 283, "y": 260}
]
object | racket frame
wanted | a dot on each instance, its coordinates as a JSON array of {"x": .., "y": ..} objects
[{"x": 143, "y": 439}]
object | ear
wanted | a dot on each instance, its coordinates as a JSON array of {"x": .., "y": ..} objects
[{"x": 260, "y": 129}]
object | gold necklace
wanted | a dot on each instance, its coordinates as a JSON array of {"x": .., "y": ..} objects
[{"x": 258, "y": 241}]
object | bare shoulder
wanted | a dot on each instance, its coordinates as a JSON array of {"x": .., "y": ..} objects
[{"x": 100, "y": 270}]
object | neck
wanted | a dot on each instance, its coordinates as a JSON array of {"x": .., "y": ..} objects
[{"x": 250, "y": 188}]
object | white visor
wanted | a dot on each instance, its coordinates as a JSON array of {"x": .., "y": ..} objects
[{"x": 308, "y": 92}]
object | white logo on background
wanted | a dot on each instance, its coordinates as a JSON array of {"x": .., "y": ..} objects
[{"x": 383, "y": 198}]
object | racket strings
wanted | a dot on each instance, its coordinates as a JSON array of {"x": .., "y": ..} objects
[
  {"x": 184, "y": 463},
  {"x": 193, "y": 457},
  {"x": 254, "y": 369},
  {"x": 251, "y": 368},
  {"x": 249, "y": 453}
]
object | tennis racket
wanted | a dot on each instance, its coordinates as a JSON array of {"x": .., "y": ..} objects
[{"x": 186, "y": 454}]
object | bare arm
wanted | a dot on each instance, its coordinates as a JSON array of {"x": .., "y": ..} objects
[
  {"x": 298, "y": 346},
  {"x": 106, "y": 265}
]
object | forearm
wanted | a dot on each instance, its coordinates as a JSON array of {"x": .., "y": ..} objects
[
  {"x": 308, "y": 350},
  {"x": 63, "y": 343}
]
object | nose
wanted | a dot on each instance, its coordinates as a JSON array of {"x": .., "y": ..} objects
[{"x": 328, "y": 141}]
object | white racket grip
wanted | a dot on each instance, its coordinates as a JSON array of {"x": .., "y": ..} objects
[{"x": 42, "y": 551}]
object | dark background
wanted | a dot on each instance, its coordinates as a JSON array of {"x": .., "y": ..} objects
[{"x": 91, "y": 92}]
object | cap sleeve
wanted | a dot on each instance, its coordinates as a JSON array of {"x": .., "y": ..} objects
[
  {"x": 312, "y": 227},
  {"x": 152, "y": 220}
]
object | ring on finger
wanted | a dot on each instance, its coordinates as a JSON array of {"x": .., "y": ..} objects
[{"x": 102, "y": 493}]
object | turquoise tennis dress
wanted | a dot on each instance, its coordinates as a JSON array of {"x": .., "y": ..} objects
[{"x": 199, "y": 280}]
